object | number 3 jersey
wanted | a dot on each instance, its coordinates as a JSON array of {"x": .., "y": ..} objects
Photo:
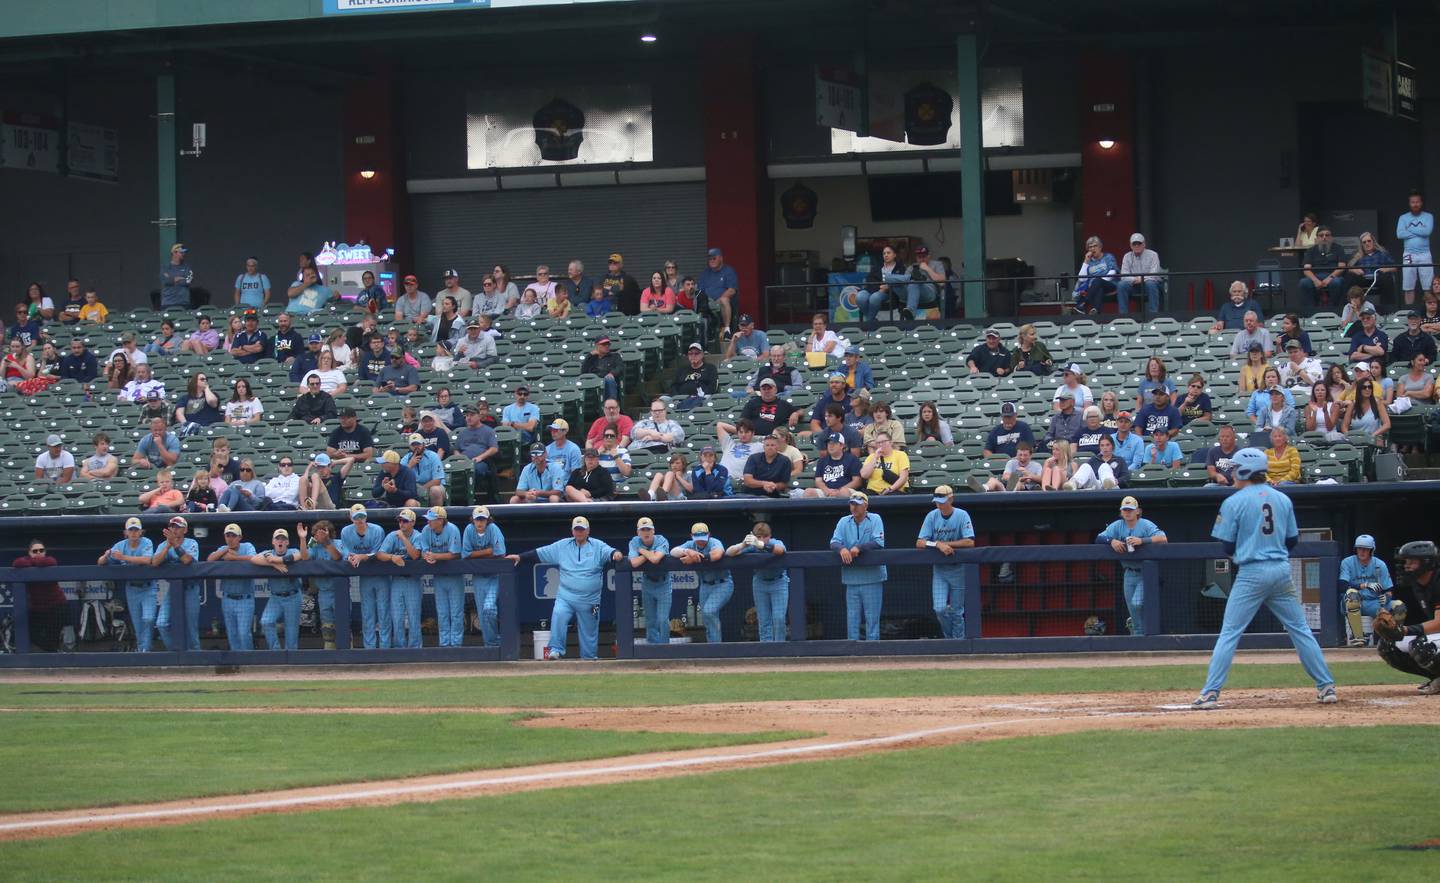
[{"x": 1257, "y": 519}]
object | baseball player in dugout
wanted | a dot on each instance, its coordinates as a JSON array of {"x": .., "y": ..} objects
[{"x": 1411, "y": 647}]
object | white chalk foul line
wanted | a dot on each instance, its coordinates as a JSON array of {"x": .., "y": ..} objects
[{"x": 528, "y": 778}]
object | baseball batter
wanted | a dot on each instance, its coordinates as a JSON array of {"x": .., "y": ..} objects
[
  {"x": 1257, "y": 526},
  {"x": 946, "y": 529},
  {"x": 1365, "y": 582},
  {"x": 1411, "y": 648},
  {"x": 1125, "y": 535}
]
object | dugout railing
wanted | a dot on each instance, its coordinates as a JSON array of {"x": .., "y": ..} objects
[{"x": 1324, "y": 556}]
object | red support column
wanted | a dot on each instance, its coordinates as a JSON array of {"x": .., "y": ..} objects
[
  {"x": 736, "y": 190},
  {"x": 1107, "y": 176},
  {"x": 376, "y": 210}
]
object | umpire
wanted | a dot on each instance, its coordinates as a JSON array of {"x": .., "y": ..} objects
[{"x": 1409, "y": 647}]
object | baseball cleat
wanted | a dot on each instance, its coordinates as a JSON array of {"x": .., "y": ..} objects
[
  {"x": 1357, "y": 642},
  {"x": 1207, "y": 700},
  {"x": 1326, "y": 695},
  {"x": 1431, "y": 687}
]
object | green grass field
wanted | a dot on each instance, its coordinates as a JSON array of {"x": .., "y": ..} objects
[
  {"x": 1237, "y": 805},
  {"x": 666, "y": 688}
]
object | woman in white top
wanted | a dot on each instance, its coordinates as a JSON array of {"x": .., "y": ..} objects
[
  {"x": 340, "y": 350},
  {"x": 1075, "y": 382},
  {"x": 243, "y": 408},
  {"x": 1323, "y": 414},
  {"x": 332, "y": 379},
  {"x": 823, "y": 340}
]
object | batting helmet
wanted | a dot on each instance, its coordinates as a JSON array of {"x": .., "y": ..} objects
[
  {"x": 1250, "y": 461},
  {"x": 1365, "y": 541}
]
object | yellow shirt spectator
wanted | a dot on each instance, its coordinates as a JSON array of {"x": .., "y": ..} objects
[
  {"x": 1284, "y": 467},
  {"x": 895, "y": 462},
  {"x": 93, "y": 312}
]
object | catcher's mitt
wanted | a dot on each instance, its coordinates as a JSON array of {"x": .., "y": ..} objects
[{"x": 1385, "y": 626}]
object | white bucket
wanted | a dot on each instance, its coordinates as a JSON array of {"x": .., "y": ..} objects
[{"x": 542, "y": 640}]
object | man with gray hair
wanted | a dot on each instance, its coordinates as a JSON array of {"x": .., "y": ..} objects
[
  {"x": 1232, "y": 312},
  {"x": 1140, "y": 268},
  {"x": 1250, "y": 334},
  {"x": 1323, "y": 271},
  {"x": 1095, "y": 278},
  {"x": 577, "y": 282}
]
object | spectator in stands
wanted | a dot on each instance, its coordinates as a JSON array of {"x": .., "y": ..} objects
[
  {"x": 141, "y": 387},
  {"x": 1103, "y": 470},
  {"x": 371, "y": 297},
  {"x": 1021, "y": 473},
  {"x": 201, "y": 496},
  {"x": 395, "y": 484},
  {"x": 597, "y": 305},
  {"x": 306, "y": 359},
  {"x": 673, "y": 483},
  {"x": 1252, "y": 372},
  {"x": 1219, "y": 465},
  {"x": 657, "y": 432},
  {"x": 923, "y": 290},
  {"x": 767, "y": 473},
  {"x": 886, "y": 470},
  {"x": 1156, "y": 376},
  {"x": 339, "y": 348},
  {"x": 349, "y": 444},
  {"x": 1064, "y": 423},
  {"x": 787, "y": 379},
  {"x": 251, "y": 344},
  {"x": 834, "y": 417},
  {"x": 1284, "y": 459},
  {"x": 1232, "y": 312},
  {"x": 48, "y": 365},
  {"x": 1074, "y": 383},
  {"x": 1195, "y": 404},
  {"x": 1323, "y": 269},
  {"x": 482, "y": 405},
  {"x": 930, "y": 426},
  {"x": 1412, "y": 343},
  {"x": 157, "y": 450},
  {"x": 165, "y": 343},
  {"x": 748, "y": 343},
  {"x": 102, "y": 464},
  {"x": 428, "y": 469},
  {"x": 837, "y": 471},
  {"x": 320, "y": 486},
  {"x": 1096, "y": 277},
  {"x": 155, "y": 406},
  {"x": 788, "y": 449},
  {"x": 720, "y": 285},
  {"x": 1109, "y": 408},
  {"x": 223, "y": 466},
  {"x": 287, "y": 342},
  {"x": 202, "y": 340},
  {"x": 475, "y": 349},
  {"x": 20, "y": 364},
  {"x": 657, "y": 296},
  {"x": 314, "y": 406},
  {"x": 1251, "y": 333},
  {"x": 1279, "y": 412},
  {"x": 876, "y": 294},
  {"x": 1373, "y": 268},
  {"x": 490, "y": 301},
  {"x": 610, "y": 418},
  {"x": 859, "y": 416},
  {"x": 399, "y": 378},
  {"x": 1030, "y": 354},
  {"x": 1140, "y": 268},
  {"x": 541, "y": 481},
  {"x": 1430, "y": 308},
  {"x": 373, "y": 359},
  {"x": 199, "y": 407},
  {"x": 1356, "y": 303},
  {"x": 27, "y": 329},
  {"x": 1161, "y": 451},
  {"x": 1366, "y": 414},
  {"x": 522, "y": 415},
  {"x": 463, "y": 297},
  {"x": 331, "y": 377},
  {"x": 561, "y": 450},
  {"x": 1323, "y": 414},
  {"x": 247, "y": 494},
  {"x": 283, "y": 491},
  {"x": 737, "y": 443},
  {"x": 308, "y": 294},
  {"x": 590, "y": 482},
  {"x": 543, "y": 287},
  {"x": 176, "y": 277},
  {"x": 413, "y": 305},
  {"x": 621, "y": 288},
  {"x": 559, "y": 305},
  {"x": 836, "y": 393},
  {"x": 1417, "y": 384},
  {"x": 1290, "y": 330},
  {"x": 823, "y": 340},
  {"x": 606, "y": 364},
  {"x": 1087, "y": 438},
  {"x": 1297, "y": 370},
  {"x": 40, "y": 306},
  {"x": 1003, "y": 440},
  {"x": 858, "y": 376},
  {"x": 767, "y": 410},
  {"x": 252, "y": 287},
  {"x": 1161, "y": 414},
  {"x": 1305, "y": 232},
  {"x": 55, "y": 464},
  {"x": 687, "y": 295},
  {"x": 883, "y": 422},
  {"x": 1129, "y": 446},
  {"x": 75, "y": 299},
  {"x": 1059, "y": 468},
  {"x": 446, "y": 410},
  {"x": 529, "y": 308},
  {"x": 509, "y": 292},
  {"x": 614, "y": 458},
  {"x": 1413, "y": 229},
  {"x": 580, "y": 286},
  {"x": 1338, "y": 383},
  {"x": 990, "y": 356},
  {"x": 1368, "y": 341},
  {"x": 79, "y": 363},
  {"x": 707, "y": 479},
  {"x": 93, "y": 311},
  {"x": 437, "y": 437},
  {"x": 477, "y": 442},
  {"x": 164, "y": 497},
  {"x": 244, "y": 408}
]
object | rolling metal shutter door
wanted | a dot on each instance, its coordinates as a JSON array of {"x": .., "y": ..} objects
[{"x": 648, "y": 223}]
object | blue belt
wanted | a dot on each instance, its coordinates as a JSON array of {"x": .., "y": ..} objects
[
  {"x": 713, "y": 582},
  {"x": 282, "y": 594},
  {"x": 237, "y": 597}
]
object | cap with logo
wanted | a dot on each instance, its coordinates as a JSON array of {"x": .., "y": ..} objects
[
  {"x": 348, "y": 412},
  {"x": 480, "y": 512},
  {"x": 537, "y": 450},
  {"x": 321, "y": 459},
  {"x": 406, "y": 515},
  {"x": 617, "y": 258},
  {"x": 560, "y": 423},
  {"x": 179, "y": 522},
  {"x": 1136, "y": 237},
  {"x": 1064, "y": 394},
  {"x": 580, "y": 521},
  {"x": 856, "y": 498},
  {"x": 699, "y": 529},
  {"x": 714, "y": 253},
  {"x": 1292, "y": 344},
  {"x": 1007, "y": 409},
  {"x": 1074, "y": 368},
  {"x": 435, "y": 513},
  {"x": 1365, "y": 541},
  {"x": 280, "y": 532},
  {"x": 416, "y": 439},
  {"x": 943, "y": 492},
  {"x": 314, "y": 338},
  {"x": 452, "y": 274},
  {"x": 835, "y": 438},
  {"x": 233, "y": 530},
  {"x": 767, "y": 382},
  {"x": 132, "y": 523},
  {"x": 1129, "y": 503},
  {"x": 645, "y": 523},
  {"x": 391, "y": 458},
  {"x": 695, "y": 348},
  {"x": 746, "y": 319},
  {"x": 358, "y": 512}
]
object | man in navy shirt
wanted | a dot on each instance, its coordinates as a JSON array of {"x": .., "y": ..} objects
[
  {"x": 1159, "y": 414},
  {"x": 1002, "y": 439},
  {"x": 287, "y": 343},
  {"x": 989, "y": 357},
  {"x": 250, "y": 344},
  {"x": 837, "y": 473},
  {"x": 78, "y": 364},
  {"x": 767, "y": 474},
  {"x": 1367, "y": 341},
  {"x": 1406, "y": 346},
  {"x": 1232, "y": 312},
  {"x": 720, "y": 284},
  {"x": 373, "y": 359}
]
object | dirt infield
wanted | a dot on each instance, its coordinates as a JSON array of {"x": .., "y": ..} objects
[{"x": 847, "y": 728}]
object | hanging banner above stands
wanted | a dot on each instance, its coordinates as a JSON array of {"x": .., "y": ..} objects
[
  {"x": 93, "y": 152},
  {"x": 1407, "y": 92}
]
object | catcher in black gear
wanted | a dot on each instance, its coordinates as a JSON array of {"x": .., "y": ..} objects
[{"x": 1411, "y": 648}]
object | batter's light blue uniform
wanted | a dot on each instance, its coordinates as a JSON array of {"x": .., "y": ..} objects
[
  {"x": 1258, "y": 519},
  {"x": 770, "y": 587},
  {"x": 716, "y": 586},
  {"x": 405, "y": 592},
  {"x": 582, "y": 576},
  {"x": 374, "y": 590},
  {"x": 237, "y": 603},
  {"x": 487, "y": 585},
  {"x": 947, "y": 585},
  {"x": 656, "y": 595},
  {"x": 140, "y": 595},
  {"x": 1353, "y": 575},
  {"x": 449, "y": 587},
  {"x": 1134, "y": 585},
  {"x": 864, "y": 583},
  {"x": 284, "y": 604},
  {"x": 191, "y": 589},
  {"x": 328, "y": 588}
]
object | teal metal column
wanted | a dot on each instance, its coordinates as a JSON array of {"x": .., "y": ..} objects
[
  {"x": 167, "y": 225},
  {"x": 972, "y": 171}
]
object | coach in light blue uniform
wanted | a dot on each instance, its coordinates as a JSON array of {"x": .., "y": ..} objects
[
  {"x": 656, "y": 592},
  {"x": 483, "y": 539},
  {"x": 362, "y": 541},
  {"x": 406, "y": 593},
  {"x": 946, "y": 528},
  {"x": 140, "y": 595},
  {"x": 716, "y": 586},
  {"x": 237, "y": 594},
  {"x": 179, "y": 549},
  {"x": 1257, "y": 526},
  {"x": 769, "y": 586},
  {"x": 440, "y": 541},
  {"x": 1123, "y": 535},
  {"x": 581, "y": 560},
  {"x": 855, "y": 534}
]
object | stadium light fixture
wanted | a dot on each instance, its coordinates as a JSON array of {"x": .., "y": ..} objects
[
  {"x": 1106, "y": 143},
  {"x": 367, "y": 174},
  {"x": 648, "y": 37}
]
